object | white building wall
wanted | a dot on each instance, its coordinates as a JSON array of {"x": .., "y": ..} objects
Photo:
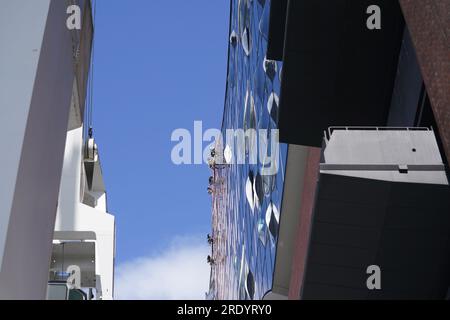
[{"x": 77, "y": 221}]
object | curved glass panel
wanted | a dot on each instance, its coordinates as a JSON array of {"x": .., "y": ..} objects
[{"x": 246, "y": 208}]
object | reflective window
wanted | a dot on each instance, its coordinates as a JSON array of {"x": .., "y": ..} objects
[{"x": 246, "y": 209}]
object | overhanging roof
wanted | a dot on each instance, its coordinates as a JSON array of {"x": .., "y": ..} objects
[{"x": 336, "y": 71}]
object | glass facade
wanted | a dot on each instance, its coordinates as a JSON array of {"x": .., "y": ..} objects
[{"x": 247, "y": 198}]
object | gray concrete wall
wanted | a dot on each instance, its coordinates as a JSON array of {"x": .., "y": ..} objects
[
  {"x": 36, "y": 81},
  {"x": 21, "y": 29}
]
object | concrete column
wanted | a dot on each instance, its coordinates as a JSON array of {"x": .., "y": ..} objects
[{"x": 36, "y": 81}]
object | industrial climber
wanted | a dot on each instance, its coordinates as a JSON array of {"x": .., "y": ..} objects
[
  {"x": 210, "y": 260},
  {"x": 210, "y": 239}
]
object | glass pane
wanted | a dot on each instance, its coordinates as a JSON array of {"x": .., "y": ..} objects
[{"x": 57, "y": 292}]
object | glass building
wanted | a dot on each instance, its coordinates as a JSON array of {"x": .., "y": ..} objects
[{"x": 247, "y": 198}]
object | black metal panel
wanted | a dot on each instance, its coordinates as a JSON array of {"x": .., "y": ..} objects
[
  {"x": 277, "y": 27},
  {"x": 336, "y": 71},
  {"x": 404, "y": 228}
]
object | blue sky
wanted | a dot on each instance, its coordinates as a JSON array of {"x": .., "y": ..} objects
[{"x": 159, "y": 65}]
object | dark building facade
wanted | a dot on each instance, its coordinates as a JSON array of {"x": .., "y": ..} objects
[{"x": 364, "y": 118}]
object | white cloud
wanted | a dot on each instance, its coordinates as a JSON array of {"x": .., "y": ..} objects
[{"x": 180, "y": 272}]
